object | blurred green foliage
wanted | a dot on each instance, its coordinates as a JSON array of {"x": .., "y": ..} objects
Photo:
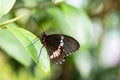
[{"x": 93, "y": 23}]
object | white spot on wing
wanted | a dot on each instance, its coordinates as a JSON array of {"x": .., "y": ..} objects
[{"x": 61, "y": 41}]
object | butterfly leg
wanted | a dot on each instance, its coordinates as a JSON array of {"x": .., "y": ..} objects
[{"x": 39, "y": 54}]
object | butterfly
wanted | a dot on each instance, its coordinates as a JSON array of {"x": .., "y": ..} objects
[{"x": 59, "y": 46}]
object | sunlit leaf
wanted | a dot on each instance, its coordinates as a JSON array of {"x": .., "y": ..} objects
[
  {"x": 13, "y": 47},
  {"x": 6, "y": 6},
  {"x": 26, "y": 39}
]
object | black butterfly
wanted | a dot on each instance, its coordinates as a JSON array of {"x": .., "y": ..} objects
[{"x": 59, "y": 46}]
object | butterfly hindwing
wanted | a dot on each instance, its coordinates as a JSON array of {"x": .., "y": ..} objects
[{"x": 59, "y": 59}]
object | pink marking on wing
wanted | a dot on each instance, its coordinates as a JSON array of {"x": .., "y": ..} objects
[
  {"x": 51, "y": 57},
  {"x": 56, "y": 53}
]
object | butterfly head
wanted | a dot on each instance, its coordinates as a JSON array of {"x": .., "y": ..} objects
[{"x": 43, "y": 34}]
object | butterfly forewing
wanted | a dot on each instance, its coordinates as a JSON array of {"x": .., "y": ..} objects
[{"x": 70, "y": 45}]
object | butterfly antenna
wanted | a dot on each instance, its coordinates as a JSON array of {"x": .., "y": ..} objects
[
  {"x": 39, "y": 54},
  {"x": 38, "y": 24}
]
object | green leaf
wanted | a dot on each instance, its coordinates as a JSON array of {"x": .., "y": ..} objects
[
  {"x": 13, "y": 47},
  {"x": 6, "y": 6},
  {"x": 26, "y": 39}
]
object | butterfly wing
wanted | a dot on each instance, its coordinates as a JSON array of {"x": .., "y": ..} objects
[{"x": 69, "y": 45}]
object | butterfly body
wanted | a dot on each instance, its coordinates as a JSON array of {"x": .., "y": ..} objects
[{"x": 59, "y": 46}]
